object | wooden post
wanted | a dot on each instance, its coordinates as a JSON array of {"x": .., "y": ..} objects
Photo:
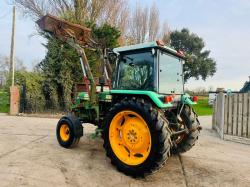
[
  {"x": 239, "y": 116},
  {"x": 14, "y": 92},
  {"x": 230, "y": 121},
  {"x": 214, "y": 119},
  {"x": 12, "y": 49},
  {"x": 226, "y": 114},
  {"x": 235, "y": 111},
  {"x": 218, "y": 117},
  {"x": 248, "y": 116},
  {"x": 221, "y": 121},
  {"x": 244, "y": 115}
]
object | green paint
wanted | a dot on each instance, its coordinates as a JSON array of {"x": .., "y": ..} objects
[
  {"x": 104, "y": 96},
  {"x": 186, "y": 99},
  {"x": 152, "y": 95},
  {"x": 81, "y": 96}
]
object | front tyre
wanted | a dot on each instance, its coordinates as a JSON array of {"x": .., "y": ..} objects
[
  {"x": 66, "y": 134},
  {"x": 136, "y": 138}
]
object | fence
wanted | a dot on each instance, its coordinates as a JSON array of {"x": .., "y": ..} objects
[
  {"x": 35, "y": 105},
  {"x": 231, "y": 118}
]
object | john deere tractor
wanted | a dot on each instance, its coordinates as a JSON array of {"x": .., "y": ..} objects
[{"x": 143, "y": 114}]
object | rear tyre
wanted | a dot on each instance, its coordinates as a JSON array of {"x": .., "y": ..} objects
[
  {"x": 190, "y": 121},
  {"x": 136, "y": 137},
  {"x": 65, "y": 133}
]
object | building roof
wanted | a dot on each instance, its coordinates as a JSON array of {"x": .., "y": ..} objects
[
  {"x": 146, "y": 45},
  {"x": 246, "y": 87}
]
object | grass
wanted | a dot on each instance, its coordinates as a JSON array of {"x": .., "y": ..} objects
[
  {"x": 202, "y": 108},
  {"x": 4, "y": 102}
]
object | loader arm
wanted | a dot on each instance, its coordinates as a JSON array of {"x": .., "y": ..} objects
[{"x": 76, "y": 36}]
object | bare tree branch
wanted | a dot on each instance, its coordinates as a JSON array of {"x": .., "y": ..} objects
[
  {"x": 154, "y": 24},
  {"x": 165, "y": 33},
  {"x": 144, "y": 26},
  {"x": 139, "y": 25}
]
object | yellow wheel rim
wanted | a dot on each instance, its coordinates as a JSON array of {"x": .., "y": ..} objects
[
  {"x": 130, "y": 138},
  {"x": 64, "y": 132}
]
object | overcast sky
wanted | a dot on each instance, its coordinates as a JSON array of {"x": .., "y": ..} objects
[{"x": 224, "y": 25}]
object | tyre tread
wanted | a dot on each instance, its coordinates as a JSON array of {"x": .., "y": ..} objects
[{"x": 158, "y": 123}]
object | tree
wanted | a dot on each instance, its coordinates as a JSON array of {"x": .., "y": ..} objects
[
  {"x": 37, "y": 8},
  {"x": 32, "y": 99},
  {"x": 198, "y": 64},
  {"x": 4, "y": 68},
  {"x": 106, "y": 35},
  {"x": 153, "y": 23},
  {"x": 165, "y": 33},
  {"x": 116, "y": 13},
  {"x": 112, "y": 12},
  {"x": 145, "y": 25},
  {"x": 139, "y": 25},
  {"x": 61, "y": 67},
  {"x": 5, "y": 64}
]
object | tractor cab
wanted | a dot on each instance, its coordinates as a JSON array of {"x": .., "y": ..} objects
[{"x": 149, "y": 67}]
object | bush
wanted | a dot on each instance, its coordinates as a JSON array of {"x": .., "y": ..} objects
[
  {"x": 4, "y": 102},
  {"x": 31, "y": 91}
]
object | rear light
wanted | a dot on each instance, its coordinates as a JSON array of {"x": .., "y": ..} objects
[
  {"x": 160, "y": 43},
  {"x": 195, "y": 98},
  {"x": 168, "y": 99}
]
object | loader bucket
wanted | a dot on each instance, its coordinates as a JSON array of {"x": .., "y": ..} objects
[{"x": 63, "y": 30}]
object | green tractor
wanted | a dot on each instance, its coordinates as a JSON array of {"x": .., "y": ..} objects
[{"x": 143, "y": 114}]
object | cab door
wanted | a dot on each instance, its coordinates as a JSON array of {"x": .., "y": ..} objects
[{"x": 170, "y": 74}]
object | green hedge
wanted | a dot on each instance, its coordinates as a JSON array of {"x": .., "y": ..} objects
[
  {"x": 4, "y": 102},
  {"x": 33, "y": 97}
]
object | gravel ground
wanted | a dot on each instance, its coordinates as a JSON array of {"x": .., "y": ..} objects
[{"x": 31, "y": 156}]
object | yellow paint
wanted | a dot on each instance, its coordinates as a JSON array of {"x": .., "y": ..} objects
[
  {"x": 130, "y": 138},
  {"x": 64, "y": 132}
]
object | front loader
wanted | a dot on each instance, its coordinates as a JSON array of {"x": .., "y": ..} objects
[{"x": 143, "y": 114}]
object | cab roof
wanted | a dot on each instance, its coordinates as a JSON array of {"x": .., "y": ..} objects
[{"x": 147, "y": 45}]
